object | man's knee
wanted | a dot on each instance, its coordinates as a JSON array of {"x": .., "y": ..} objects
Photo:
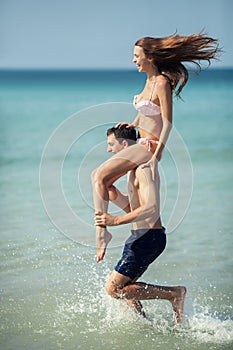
[{"x": 113, "y": 290}]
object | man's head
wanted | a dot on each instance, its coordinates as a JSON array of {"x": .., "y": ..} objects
[{"x": 120, "y": 137}]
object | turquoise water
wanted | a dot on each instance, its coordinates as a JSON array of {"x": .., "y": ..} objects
[{"x": 52, "y": 292}]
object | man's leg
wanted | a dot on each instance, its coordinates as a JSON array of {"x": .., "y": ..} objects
[
  {"x": 137, "y": 305},
  {"x": 144, "y": 291},
  {"x": 114, "y": 285},
  {"x": 122, "y": 287}
]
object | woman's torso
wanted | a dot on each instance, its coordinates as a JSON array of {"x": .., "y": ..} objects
[{"x": 149, "y": 117}]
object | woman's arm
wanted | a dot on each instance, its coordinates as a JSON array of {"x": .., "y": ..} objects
[
  {"x": 136, "y": 121},
  {"x": 165, "y": 99},
  {"x": 132, "y": 125}
]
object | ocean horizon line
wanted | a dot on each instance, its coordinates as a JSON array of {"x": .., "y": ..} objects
[{"x": 7, "y": 76}]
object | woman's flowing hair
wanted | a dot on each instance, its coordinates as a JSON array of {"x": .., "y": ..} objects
[{"x": 170, "y": 52}]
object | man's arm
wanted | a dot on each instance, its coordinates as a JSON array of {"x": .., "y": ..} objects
[{"x": 149, "y": 203}]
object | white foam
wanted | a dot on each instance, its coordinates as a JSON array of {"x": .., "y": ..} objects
[{"x": 206, "y": 328}]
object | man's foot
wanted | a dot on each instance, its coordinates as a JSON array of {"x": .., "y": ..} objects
[
  {"x": 178, "y": 303},
  {"x": 103, "y": 237}
]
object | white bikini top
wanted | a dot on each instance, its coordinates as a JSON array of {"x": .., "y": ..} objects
[{"x": 147, "y": 107}]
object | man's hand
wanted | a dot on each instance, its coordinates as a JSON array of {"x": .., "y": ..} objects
[{"x": 105, "y": 219}]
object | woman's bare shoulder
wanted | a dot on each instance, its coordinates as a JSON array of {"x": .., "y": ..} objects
[
  {"x": 163, "y": 85},
  {"x": 162, "y": 81}
]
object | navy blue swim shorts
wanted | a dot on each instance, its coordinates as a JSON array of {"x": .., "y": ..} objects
[{"x": 139, "y": 253}]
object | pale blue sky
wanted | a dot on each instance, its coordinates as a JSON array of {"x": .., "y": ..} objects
[{"x": 101, "y": 33}]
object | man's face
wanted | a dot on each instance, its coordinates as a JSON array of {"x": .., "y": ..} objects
[{"x": 114, "y": 146}]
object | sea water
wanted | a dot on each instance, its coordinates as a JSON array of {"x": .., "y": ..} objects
[{"x": 53, "y": 134}]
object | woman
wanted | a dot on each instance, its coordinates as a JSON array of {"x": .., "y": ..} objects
[{"x": 162, "y": 60}]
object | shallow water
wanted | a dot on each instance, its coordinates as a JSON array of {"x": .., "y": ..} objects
[{"x": 53, "y": 297}]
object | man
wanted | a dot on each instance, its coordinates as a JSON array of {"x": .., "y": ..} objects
[{"x": 148, "y": 239}]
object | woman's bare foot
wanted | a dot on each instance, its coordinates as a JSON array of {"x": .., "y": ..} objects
[
  {"x": 178, "y": 303},
  {"x": 103, "y": 237}
]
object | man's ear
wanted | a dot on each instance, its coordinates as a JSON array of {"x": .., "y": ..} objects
[{"x": 125, "y": 143}]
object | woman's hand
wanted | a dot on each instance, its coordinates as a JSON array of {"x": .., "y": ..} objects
[
  {"x": 104, "y": 219},
  {"x": 152, "y": 164},
  {"x": 125, "y": 123}
]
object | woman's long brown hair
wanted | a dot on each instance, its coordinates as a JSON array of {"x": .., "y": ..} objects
[{"x": 170, "y": 52}]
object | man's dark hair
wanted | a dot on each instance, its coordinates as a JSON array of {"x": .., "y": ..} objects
[{"x": 122, "y": 133}]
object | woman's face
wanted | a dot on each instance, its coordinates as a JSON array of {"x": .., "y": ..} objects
[{"x": 140, "y": 59}]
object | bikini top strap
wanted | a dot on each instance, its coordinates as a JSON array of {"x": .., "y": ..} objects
[{"x": 152, "y": 90}]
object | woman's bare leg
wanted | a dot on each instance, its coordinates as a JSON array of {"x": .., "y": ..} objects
[
  {"x": 103, "y": 177},
  {"x": 101, "y": 181}
]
